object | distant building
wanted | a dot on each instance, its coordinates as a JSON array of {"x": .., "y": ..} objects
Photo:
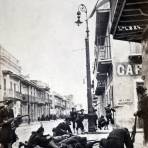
[
  {"x": 58, "y": 104},
  {"x": 61, "y": 105},
  {"x": 29, "y": 96},
  {"x": 10, "y": 63},
  {"x": 69, "y": 103}
]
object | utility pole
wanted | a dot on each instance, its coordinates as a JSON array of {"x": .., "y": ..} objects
[{"x": 91, "y": 124}]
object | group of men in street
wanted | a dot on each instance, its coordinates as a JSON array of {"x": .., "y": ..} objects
[
  {"x": 77, "y": 118},
  {"x": 116, "y": 138},
  {"x": 63, "y": 138}
]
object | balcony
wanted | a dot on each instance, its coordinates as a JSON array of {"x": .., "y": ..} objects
[
  {"x": 24, "y": 98},
  {"x": 135, "y": 55},
  {"x": 95, "y": 99},
  {"x": 104, "y": 59},
  {"x": 10, "y": 94},
  {"x": 102, "y": 42},
  {"x": 40, "y": 101},
  {"x": 100, "y": 88}
]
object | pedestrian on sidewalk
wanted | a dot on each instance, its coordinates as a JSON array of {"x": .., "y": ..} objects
[
  {"x": 73, "y": 117},
  {"x": 79, "y": 120}
]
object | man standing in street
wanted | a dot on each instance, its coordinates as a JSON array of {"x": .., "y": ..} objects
[
  {"x": 79, "y": 121},
  {"x": 108, "y": 111},
  {"x": 73, "y": 117}
]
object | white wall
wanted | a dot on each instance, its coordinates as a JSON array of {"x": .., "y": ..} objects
[{"x": 124, "y": 86}]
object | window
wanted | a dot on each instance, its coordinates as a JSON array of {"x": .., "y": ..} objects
[
  {"x": 14, "y": 87},
  {"x": 11, "y": 88},
  {"x": 4, "y": 84}
]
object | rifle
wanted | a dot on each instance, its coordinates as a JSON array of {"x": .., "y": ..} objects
[
  {"x": 133, "y": 134},
  {"x": 16, "y": 121},
  {"x": 3, "y": 101}
]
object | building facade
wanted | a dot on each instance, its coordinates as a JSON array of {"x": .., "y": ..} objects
[
  {"x": 61, "y": 105},
  {"x": 29, "y": 97},
  {"x": 9, "y": 62},
  {"x": 116, "y": 73}
]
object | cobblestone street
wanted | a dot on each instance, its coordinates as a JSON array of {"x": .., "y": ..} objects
[{"x": 24, "y": 131}]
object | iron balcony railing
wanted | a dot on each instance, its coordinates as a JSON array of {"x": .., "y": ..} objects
[
  {"x": 103, "y": 52},
  {"x": 12, "y": 94},
  {"x": 135, "y": 49}
]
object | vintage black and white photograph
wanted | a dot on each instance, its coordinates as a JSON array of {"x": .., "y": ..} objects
[{"x": 73, "y": 73}]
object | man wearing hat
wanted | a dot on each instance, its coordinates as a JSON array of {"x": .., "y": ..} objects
[
  {"x": 108, "y": 111},
  {"x": 143, "y": 109},
  {"x": 63, "y": 128},
  {"x": 39, "y": 139},
  {"x": 73, "y": 117},
  {"x": 79, "y": 120},
  {"x": 7, "y": 134}
]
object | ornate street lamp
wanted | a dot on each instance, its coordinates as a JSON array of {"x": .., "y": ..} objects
[{"x": 91, "y": 125}]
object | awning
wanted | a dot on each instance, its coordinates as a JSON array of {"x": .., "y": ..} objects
[
  {"x": 102, "y": 18},
  {"x": 129, "y": 19}
]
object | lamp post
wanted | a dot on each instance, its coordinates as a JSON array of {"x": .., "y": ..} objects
[{"x": 91, "y": 125}]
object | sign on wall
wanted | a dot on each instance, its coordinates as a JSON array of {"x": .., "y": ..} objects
[
  {"x": 124, "y": 101},
  {"x": 127, "y": 69}
]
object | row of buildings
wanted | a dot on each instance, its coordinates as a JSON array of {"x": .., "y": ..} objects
[
  {"x": 120, "y": 62},
  {"x": 31, "y": 97}
]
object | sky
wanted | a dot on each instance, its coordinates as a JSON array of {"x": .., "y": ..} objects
[{"x": 49, "y": 45}]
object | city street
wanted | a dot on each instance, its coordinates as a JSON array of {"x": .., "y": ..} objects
[
  {"x": 24, "y": 131},
  {"x": 96, "y": 73}
]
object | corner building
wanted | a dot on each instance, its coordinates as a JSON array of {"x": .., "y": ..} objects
[{"x": 117, "y": 72}]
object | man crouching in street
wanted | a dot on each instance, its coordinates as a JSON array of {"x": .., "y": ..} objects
[
  {"x": 39, "y": 139},
  {"x": 63, "y": 128},
  {"x": 117, "y": 139}
]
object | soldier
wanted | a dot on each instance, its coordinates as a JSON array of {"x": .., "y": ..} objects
[
  {"x": 143, "y": 109},
  {"x": 73, "y": 117},
  {"x": 39, "y": 139},
  {"x": 95, "y": 117},
  {"x": 102, "y": 122},
  {"x": 117, "y": 139},
  {"x": 79, "y": 121},
  {"x": 109, "y": 111},
  {"x": 63, "y": 128},
  {"x": 7, "y": 134}
]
